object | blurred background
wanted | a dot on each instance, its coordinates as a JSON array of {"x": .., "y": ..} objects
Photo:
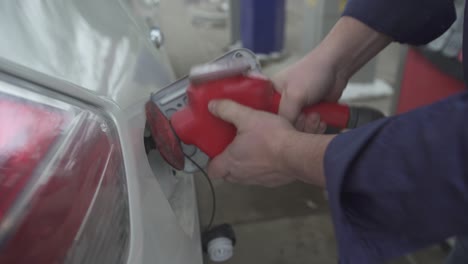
[
  {"x": 292, "y": 224},
  {"x": 107, "y": 57}
]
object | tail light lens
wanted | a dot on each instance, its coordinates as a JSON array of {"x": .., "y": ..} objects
[{"x": 63, "y": 196}]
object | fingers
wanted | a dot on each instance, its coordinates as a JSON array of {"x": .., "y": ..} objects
[
  {"x": 322, "y": 128},
  {"x": 279, "y": 83},
  {"x": 230, "y": 111},
  {"x": 290, "y": 105},
  {"x": 291, "y": 100},
  {"x": 300, "y": 123},
  {"x": 310, "y": 124}
]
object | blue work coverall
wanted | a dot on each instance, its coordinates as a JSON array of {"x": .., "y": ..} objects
[{"x": 401, "y": 184}]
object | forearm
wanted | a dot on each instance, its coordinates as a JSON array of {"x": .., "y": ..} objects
[
  {"x": 348, "y": 46},
  {"x": 303, "y": 154},
  {"x": 368, "y": 26}
]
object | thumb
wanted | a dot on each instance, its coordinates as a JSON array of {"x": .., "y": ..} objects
[
  {"x": 279, "y": 82},
  {"x": 230, "y": 111},
  {"x": 290, "y": 105}
]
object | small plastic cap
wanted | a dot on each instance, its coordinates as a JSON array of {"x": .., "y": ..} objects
[{"x": 220, "y": 249}]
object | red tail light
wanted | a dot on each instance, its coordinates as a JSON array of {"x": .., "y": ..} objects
[{"x": 63, "y": 195}]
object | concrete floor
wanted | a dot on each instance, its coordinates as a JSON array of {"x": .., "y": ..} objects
[{"x": 290, "y": 224}]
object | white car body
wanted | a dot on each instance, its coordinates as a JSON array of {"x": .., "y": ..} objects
[{"x": 99, "y": 52}]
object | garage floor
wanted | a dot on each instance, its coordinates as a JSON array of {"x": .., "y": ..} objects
[{"x": 290, "y": 224}]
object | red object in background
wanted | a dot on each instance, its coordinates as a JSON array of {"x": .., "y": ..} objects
[
  {"x": 423, "y": 83},
  {"x": 195, "y": 125}
]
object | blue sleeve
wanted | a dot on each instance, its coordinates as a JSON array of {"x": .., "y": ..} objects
[
  {"x": 414, "y": 22},
  {"x": 401, "y": 183}
]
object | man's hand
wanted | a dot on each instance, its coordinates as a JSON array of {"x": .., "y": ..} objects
[
  {"x": 267, "y": 150},
  {"x": 255, "y": 155},
  {"x": 307, "y": 82},
  {"x": 323, "y": 73}
]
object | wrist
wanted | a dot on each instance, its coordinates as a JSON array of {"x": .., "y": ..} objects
[
  {"x": 302, "y": 156},
  {"x": 322, "y": 57}
]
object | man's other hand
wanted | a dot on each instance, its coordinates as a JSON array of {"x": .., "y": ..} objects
[
  {"x": 307, "y": 82},
  {"x": 255, "y": 155}
]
